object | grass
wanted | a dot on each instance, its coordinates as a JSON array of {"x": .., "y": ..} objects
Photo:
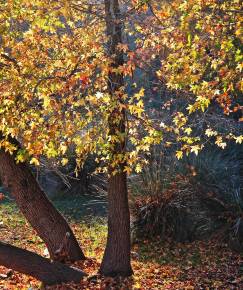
[
  {"x": 82, "y": 206},
  {"x": 90, "y": 230},
  {"x": 156, "y": 264}
]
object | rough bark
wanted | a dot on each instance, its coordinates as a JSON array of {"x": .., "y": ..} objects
[
  {"x": 49, "y": 224},
  {"x": 116, "y": 260},
  {"x": 38, "y": 267}
]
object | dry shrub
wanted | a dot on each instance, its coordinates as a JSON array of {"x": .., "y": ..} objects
[{"x": 189, "y": 199}]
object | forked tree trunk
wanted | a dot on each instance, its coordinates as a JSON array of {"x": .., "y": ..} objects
[
  {"x": 38, "y": 267},
  {"x": 116, "y": 260},
  {"x": 49, "y": 224}
]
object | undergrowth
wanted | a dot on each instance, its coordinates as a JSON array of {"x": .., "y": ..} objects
[
  {"x": 189, "y": 199},
  {"x": 157, "y": 264}
]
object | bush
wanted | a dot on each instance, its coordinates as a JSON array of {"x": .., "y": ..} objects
[
  {"x": 189, "y": 199},
  {"x": 59, "y": 181}
]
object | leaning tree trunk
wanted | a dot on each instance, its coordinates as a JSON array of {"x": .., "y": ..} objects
[
  {"x": 38, "y": 267},
  {"x": 116, "y": 260},
  {"x": 49, "y": 224}
]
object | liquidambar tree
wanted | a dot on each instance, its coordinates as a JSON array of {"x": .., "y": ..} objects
[
  {"x": 68, "y": 77},
  {"x": 116, "y": 260}
]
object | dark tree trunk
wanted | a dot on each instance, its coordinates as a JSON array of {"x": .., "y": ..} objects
[
  {"x": 38, "y": 267},
  {"x": 49, "y": 224},
  {"x": 116, "y": 260}
]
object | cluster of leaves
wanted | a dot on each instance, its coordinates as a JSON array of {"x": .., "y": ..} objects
[
  {"x": 198, "y": 46},
  {"x": 47, "y": 62},
  {"x": 54, "y": 72}
]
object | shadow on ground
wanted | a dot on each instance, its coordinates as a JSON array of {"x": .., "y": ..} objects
[
  {"x": 79, "y": 207},
  {"x": 74, "y": 207}
]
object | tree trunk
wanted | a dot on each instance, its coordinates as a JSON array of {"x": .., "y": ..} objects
[
  {"x": 49, "y": 224},
  {"x": 116, "y": 260},
  {"x": 38, "y": 267}
]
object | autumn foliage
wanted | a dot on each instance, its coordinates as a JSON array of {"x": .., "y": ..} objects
[{"x": 80, "y": 78}]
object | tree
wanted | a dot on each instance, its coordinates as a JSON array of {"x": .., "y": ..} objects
[
  {"x": 116, "y": 259},
  {"x": 65, "y": 82}
]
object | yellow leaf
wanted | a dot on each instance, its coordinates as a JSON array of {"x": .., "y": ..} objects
[
  {"x": 64, "y": 161},
  {"x": 63, "y": 148},
  {"x": 239, "y": 139},
  {"x": 188, "y": 131},
  {"x": 179, "y": 154},
  {"x": 34, "y": 161},
  {"x": 209, "y": 132},
  {"x": 138, "y": 168}
]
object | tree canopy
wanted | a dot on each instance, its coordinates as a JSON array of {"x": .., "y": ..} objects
[{"x": 55, "y": 68}]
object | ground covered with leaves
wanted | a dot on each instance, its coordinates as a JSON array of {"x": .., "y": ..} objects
[{"x": 156, "y": 264}]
